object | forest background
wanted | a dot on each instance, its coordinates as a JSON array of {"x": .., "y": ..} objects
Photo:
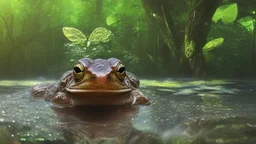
[{"x": 152, "y": 37}]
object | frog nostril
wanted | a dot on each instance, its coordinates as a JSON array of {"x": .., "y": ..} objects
[
  {"x": 109, "y": 77},
  {"x": 93, "y": 77}
]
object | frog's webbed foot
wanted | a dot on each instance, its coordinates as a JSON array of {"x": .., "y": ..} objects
[
  {"x": 38, "y": 91},
  {"x": 44, "y": 91},
  {"x": 61, "y": 100},
  {"x": 139, "y": 98}
]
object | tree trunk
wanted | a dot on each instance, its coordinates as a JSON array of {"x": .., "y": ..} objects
[
  {"x": 98, "y": 8},
  {"x": 196, "y": 31},
  {"x": 253, "y": 45},
  {"x": 160, "y": 19},
  {"x": 158, "y": 13}
]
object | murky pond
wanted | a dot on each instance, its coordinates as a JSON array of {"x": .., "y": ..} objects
[{"x": 183, "y": 111}]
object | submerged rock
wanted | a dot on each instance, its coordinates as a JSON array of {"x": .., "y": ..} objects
[{"x": 232, "y": 130}]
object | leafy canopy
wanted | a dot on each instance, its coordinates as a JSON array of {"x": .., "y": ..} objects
[
  {"x": 247, "y": 22},
  {"x": 226, "y": 13},
  {"x": 213, "y": 44}
]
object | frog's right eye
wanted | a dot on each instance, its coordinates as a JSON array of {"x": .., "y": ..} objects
[{"x": 78, "y": 72}]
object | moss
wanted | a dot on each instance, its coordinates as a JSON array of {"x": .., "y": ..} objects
[
  {"x": 181, "y": 140},
  {"x": 160, "y": 83},
  {"x": 176, "y": 84},
  {"x": 189, "y": 47},
  {"x": 22, "y": 82}
]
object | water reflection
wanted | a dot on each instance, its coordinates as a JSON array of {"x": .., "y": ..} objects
[{"x": 102, "y": 125}]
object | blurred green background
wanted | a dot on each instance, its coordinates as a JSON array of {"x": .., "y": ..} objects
[{"x": 154, "y": 38}]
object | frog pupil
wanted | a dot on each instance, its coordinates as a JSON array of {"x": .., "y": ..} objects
[
  {"x": 77, "y": 69},
  {"x": 121, "y": 69}
]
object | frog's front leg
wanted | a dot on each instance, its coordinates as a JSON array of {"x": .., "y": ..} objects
[
  {"x": 44, "y": 91},
  {"x": 61, "y": 100},
  {"x": 39, "y": 90},
  {"x": 139, "y": 98}
]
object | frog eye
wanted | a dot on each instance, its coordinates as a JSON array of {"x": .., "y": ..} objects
[
  {"x": 120, "y": 71},
  {"x": 78, "y": 72}
]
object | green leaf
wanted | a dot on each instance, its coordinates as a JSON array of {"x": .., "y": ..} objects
[
  {"x": 227, "y": 13},
  {"x": 247, "y": 22},
  {"x": 100, "y": 34},
  {"x": 74, "y": 35},
  {"x": 112, "y": 19},
  {"x": 150, "y": 57},
  {"x": 213, "y": 44}
]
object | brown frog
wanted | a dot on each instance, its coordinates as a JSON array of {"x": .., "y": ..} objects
[{"x": 93, "y": 82}]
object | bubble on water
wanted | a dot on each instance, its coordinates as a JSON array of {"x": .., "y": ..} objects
[{"x": 1, "y": 120}]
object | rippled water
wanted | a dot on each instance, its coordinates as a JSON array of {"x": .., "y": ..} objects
[{"x": 182, "y": 111}]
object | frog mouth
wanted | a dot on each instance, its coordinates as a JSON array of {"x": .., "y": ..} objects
[{"x": 98, "y": 90}]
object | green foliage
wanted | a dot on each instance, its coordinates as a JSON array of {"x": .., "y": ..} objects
[
  {"x": 100, "y": 34},
  {"x": 247, "y": 22},
  {"x": 226, "y": 13},
  {"x": 33, "y": 33},
  {"x": 232, "y": 58},
  {"x": 97, "y": 45},
  {"x": 67, "y": 12},
  {"x": 74, "y": 35},
  {"x": 112, "y": 19},
  {"x": 213, "y": 44}
]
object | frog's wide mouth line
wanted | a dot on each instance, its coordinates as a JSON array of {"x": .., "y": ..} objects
[{"x": 98, "y": 90}]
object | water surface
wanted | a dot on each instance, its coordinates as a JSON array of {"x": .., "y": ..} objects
[{"x": 182, "y": 111}]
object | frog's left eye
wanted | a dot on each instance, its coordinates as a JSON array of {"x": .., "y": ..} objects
[
  {"x": 78, "y": 72},
  {"x": 120, "y": 71}
]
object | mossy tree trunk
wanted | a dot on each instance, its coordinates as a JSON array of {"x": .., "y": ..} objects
[
  {"x": 161, "y": 23},
  {"x": 196, "y": 31},
  {"x": 158, "y": 12},
  {"x": 253, "y": 45}
]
